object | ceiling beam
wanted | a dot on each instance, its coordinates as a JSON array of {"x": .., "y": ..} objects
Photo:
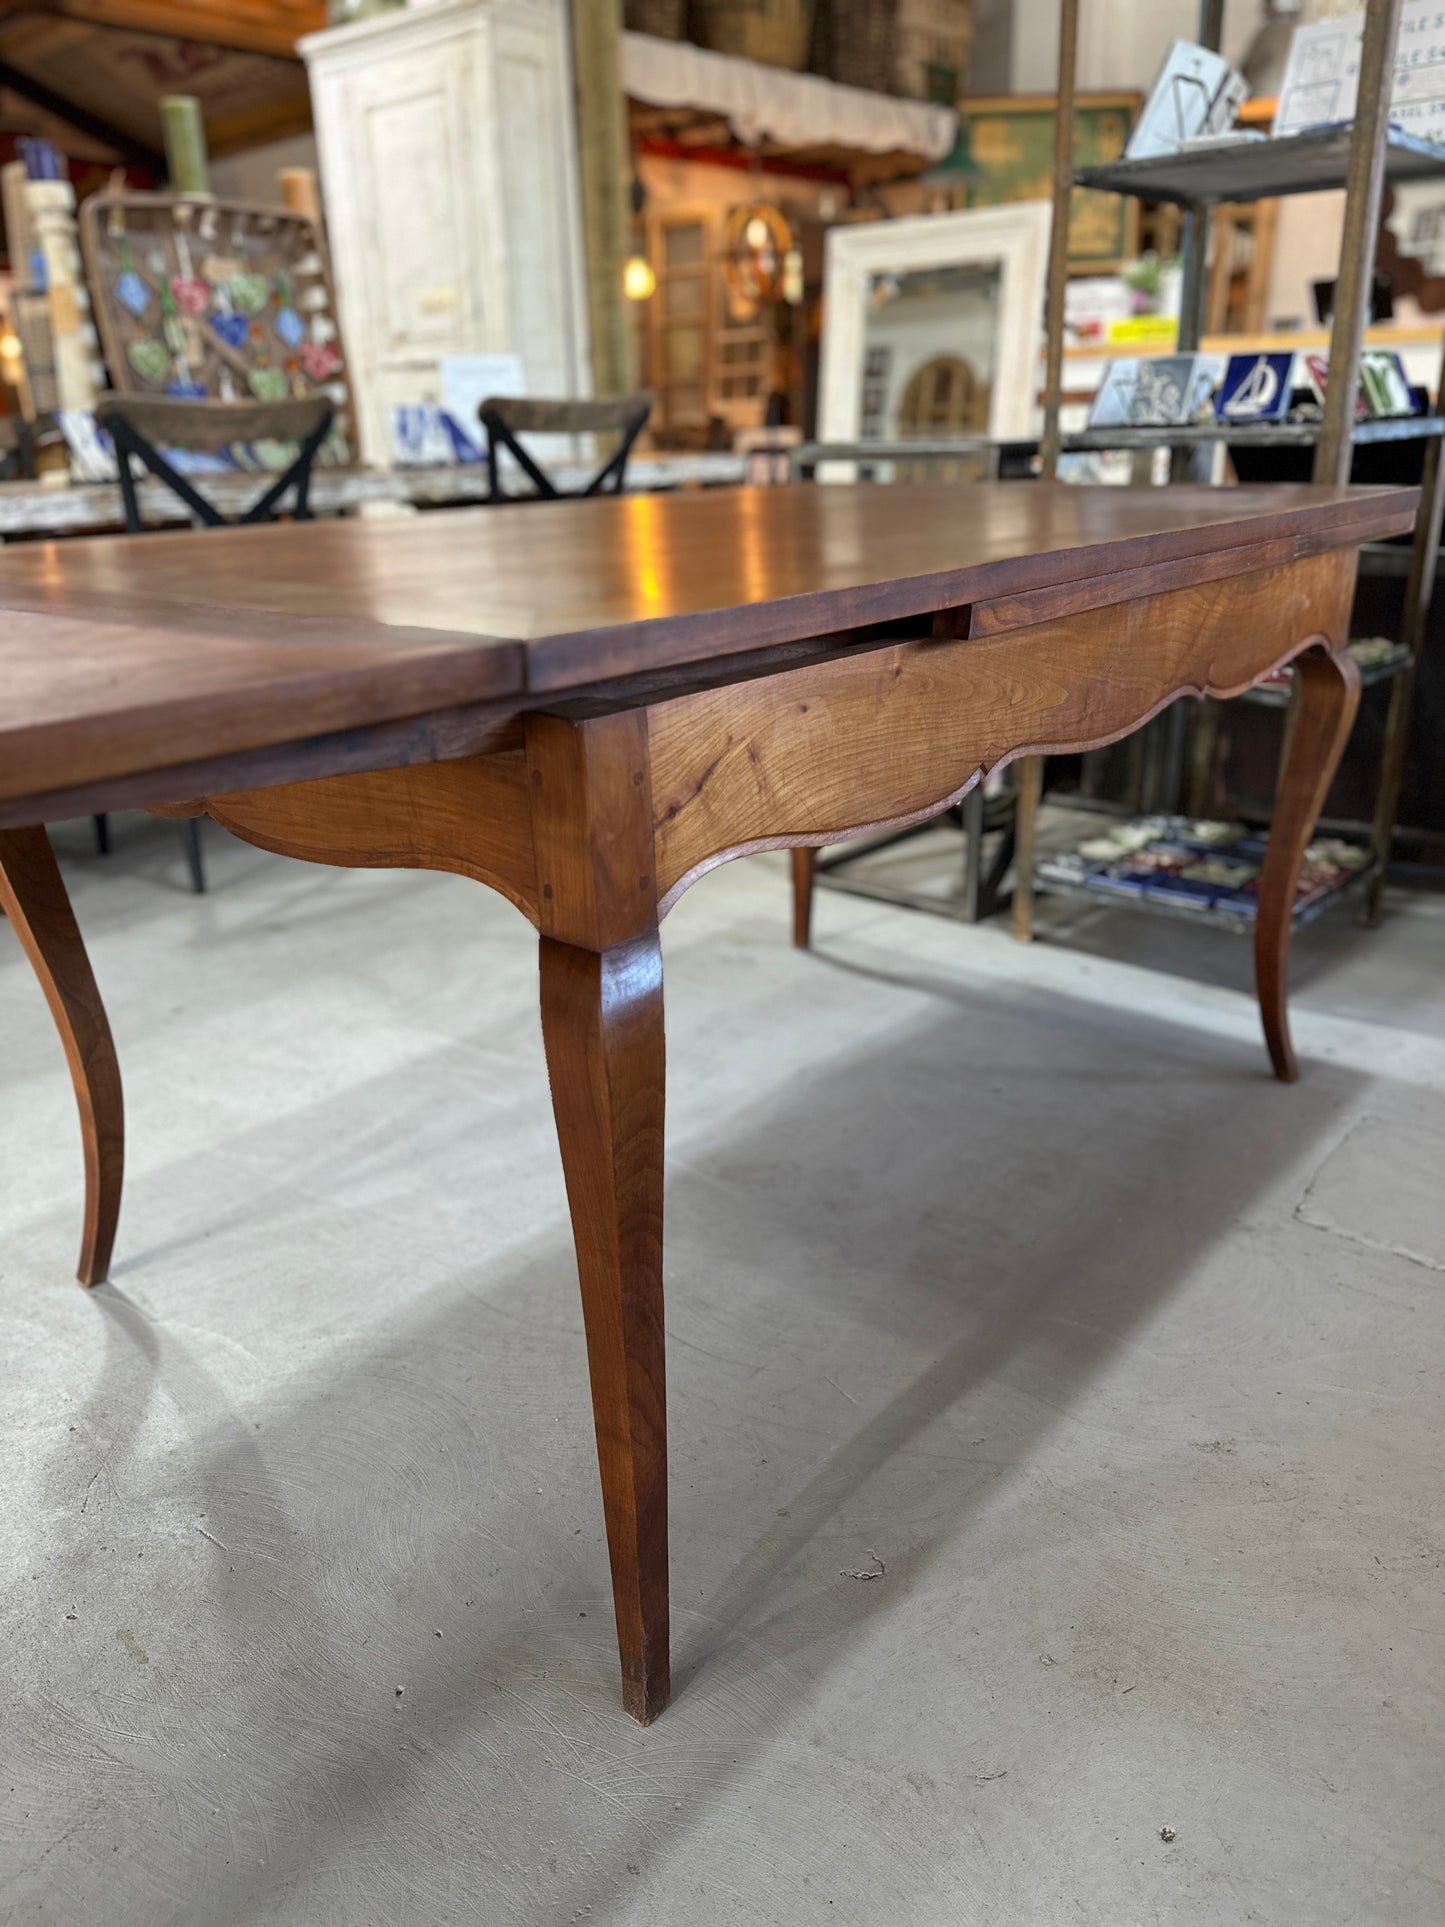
[
  {"x": 126, "y": 146},
  {"x": 249, "y": 26},
  {"x": 274, "y": 120}
]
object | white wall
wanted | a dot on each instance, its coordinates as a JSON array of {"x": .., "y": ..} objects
[
  {"x": 1121, "y": 42},
  {"x": 1307, "y": 240},
  {"x": 252, "y": 176},
  {"x": 989, "y": 69}
]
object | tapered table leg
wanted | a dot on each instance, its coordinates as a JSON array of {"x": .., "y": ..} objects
[
  {"x": 1028, "y": 798},
  {"x": 805, "y": 867},
  {"x": 1327, "y": 696},
  {"x": 603, "y": 1030},
  {"x": 34, "y": 898}
]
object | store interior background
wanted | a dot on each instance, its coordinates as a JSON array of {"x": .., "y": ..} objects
[
  {"x": 1005, "y": 1269},
  {"x": 1014, "y": 51}
]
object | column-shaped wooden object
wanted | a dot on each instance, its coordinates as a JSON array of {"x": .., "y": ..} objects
[
  {"x": 602, "y": 151},
  {"x": 1029, "y": 776}
]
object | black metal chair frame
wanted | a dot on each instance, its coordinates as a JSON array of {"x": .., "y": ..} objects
[
  {"x": 130, "y": 442},
  {"x": 504, "y": 419}
]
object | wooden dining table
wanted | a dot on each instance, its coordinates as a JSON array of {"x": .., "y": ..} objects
[{"x": 586, "y": 706}]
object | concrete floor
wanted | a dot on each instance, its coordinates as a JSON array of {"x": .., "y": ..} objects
[{"x": 1056, "y": 1426}]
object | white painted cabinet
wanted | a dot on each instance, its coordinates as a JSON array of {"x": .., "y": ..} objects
[{"x": 449, "y": 169}]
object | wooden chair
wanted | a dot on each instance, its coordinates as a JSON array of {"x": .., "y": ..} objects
[
  {"x": 505, "y": 418},
  {"x": 140, "y": 425}
]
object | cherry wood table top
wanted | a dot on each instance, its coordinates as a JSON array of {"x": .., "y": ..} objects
[
  {"x": 585, "y": 707},
  {"x": 124, "y": 655}
]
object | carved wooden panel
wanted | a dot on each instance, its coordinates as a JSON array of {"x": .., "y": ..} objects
[
  {"x": 894, "y": 735},
  {"x": 808, "y": 754},
  {"x": 470, "y": 816}
]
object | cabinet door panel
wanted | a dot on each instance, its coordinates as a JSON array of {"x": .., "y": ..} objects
[{"x": 412, "y": 157}]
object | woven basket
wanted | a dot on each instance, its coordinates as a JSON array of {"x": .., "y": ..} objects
[
  {"x": 935, "y": 40},
  {"x": 664, "y": 19},
  {"x": 777, "y": 32},
  {"x": 857, "y": 42}
]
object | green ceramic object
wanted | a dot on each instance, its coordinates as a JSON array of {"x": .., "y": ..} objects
[
  {"x": 150, "y": 358},
  {"x": 185, "y": 138},
  {"x": 268, "y": 384},
  {"x": 250, "y": 292}
]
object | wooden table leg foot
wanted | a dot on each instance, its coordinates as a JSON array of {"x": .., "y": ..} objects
[
  {"x": 805, "y": 866},
  {"x": 34, "y": 898},
  {"x": 1327, "y": 696},
  {"x": 602, "y": 1024}
]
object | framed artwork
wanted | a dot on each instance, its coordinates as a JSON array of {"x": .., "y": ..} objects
[
  {"x": 933, "y": 326},
  {"x": 1196, "y": 94},
  {"x": 1149, "y": 391},
  {"x": 1322, "y": 73},
  {"x": 1011, "y": 141},
  {"x": 1386, "y": 385}
]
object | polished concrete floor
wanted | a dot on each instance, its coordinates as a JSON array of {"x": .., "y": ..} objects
[{"x": 1056, "y": 1409}]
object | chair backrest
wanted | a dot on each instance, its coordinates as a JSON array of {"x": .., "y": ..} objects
[
  {"x": 140, "y": 425},
  {"x": 506, "y": 417}
]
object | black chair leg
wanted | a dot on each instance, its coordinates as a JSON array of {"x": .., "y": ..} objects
[
  {"x": 102, "y": 835},
  {"x": 191, "y": 832}
]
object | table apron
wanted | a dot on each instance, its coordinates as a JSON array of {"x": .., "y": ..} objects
[
  {"x": 596, "y": 826},
  {"x": 894, "y": 735}
]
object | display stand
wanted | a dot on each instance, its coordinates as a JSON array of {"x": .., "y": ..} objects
[{"x": 1360, "y": 160}]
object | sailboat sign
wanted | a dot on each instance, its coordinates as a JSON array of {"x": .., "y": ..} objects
[{"x": 1256, "y": 388}]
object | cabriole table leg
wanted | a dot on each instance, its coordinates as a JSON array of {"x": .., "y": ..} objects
[
  {"x": 1328, "y": 688},
  {"x": 34, "y": 898}
]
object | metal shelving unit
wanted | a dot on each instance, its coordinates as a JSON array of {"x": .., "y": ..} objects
[
  {"x": 1360, "y": 158},
  {"x": 1407, "y": 428},
  {"x": 1262, "y": 170},
  {"x": 1222, "y": 912}
]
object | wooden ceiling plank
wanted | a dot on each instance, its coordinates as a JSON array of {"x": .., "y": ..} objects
[
  {"x": 126, "y": 146},
  {"x": 274, "y": 120},
  {"x": 253, "y": 26}
]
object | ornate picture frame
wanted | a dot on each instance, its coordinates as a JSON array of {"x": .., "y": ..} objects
[{"x": 1008, "y": 245}]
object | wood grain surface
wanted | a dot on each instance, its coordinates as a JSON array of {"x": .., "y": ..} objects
[
  {"x": 897, "y": 733},
  {"x": 603, "y": 1030},
  {"x": 667, "y": 684},
  {"x": 471, "y": 816},
  {"x": 208, "y": 424},
  {"x": 91, "y": 694},
  {"x": 592, "y": 827},
  {"x": 120, "y": 656}
]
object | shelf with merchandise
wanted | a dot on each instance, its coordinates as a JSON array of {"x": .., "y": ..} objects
[
  {"x": 1258, "y": 170},
  {"x": 1204, "y": 871}
]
